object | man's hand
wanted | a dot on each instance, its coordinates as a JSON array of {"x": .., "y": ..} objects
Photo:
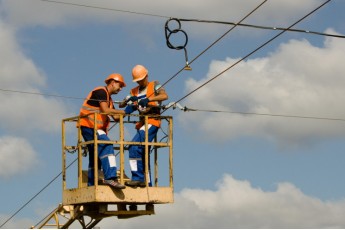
[
  {"x": 132, "y": 99},
  {"x": 144, "y": 102}
]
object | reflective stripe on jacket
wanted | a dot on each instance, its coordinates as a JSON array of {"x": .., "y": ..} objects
[
  {"x": 102, "y": 120},
  {"x": 154, "y": 110}
]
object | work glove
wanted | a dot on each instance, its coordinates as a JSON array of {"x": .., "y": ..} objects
[
  {"x": 132, "y": 99},
  {"x": 144, "y": 102},
  {"x": 130, "y": 109}
]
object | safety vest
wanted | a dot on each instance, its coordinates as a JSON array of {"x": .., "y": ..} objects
[
  {"x": 154, "y": 105},
  {"x": 102, "y": 120}
]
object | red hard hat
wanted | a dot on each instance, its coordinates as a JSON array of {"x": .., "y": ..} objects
[{"x": 117, "y": 77}]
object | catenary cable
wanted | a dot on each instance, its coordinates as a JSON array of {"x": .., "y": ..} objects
[
  {"x": 187, "y": 109},
  {"x": 254, "y": 51},
  {"x": 284, "y": 30},
  {"x": 204, "y": 21},
  {"x": 197, "y": 20},
  {"x": 105, "y": 8},
  {"x": 229, "y": 23},
  {"x": 263, "y": 27},
  {"x": 41, "y": 94}
]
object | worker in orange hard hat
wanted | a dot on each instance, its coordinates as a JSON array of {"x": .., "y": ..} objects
[
  {"x": 146, "y": 98},
  {"x": 139, "y": 72},
  {"x": 99, "y": 100}
]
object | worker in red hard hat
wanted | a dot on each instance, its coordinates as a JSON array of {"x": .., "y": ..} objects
[
  {"x": 146, "y": 98},
  {"x": 99, "y": 100}
]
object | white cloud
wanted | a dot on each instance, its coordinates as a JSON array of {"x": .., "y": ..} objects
[
  {"x": 297, "y": 79},
  {"x": 16, "y": 153},
  {"x": 16, "y": 70},
  {"x": 236, "y": 204},
  {"x": 19, "y": 73},
  {"x": 24, "y": 113}
]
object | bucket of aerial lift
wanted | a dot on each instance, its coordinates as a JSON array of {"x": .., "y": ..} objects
[{"x": 99, "y": 193}]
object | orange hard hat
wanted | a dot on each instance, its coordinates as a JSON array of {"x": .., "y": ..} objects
[
  {"x": 139, "y": 72},
  {"x": 117, "y": 77}
]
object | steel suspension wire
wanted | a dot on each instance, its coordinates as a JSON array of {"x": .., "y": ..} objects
[
  {"x": 254, "y": 51},
  {"x": 41, "y": 94},
  {"x": 154, "y": 15},
  {"x": 21, "y": 208},
  {"x": 197, "y": 20},
  {"x": 104, "y": 8},
  {"x": 265, "y": 114},
  {"x": 48, "y": 95},
  {"x": 263, "y": 27}
]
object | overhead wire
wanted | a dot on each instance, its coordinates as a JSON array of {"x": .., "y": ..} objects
[
  {"x": 252, "y": 52},
  {"x": 234, "y": 25},
  {"x": 188, "y": 109},
  {"x": 23, "y": 206},
  {"x": 105, "y": 8},
  {"x": 185, "y": 108},
  {"x": 263, "y": 27},
  {"x": 198, "y": 20},
  {"x": 263, "y": 114},
  {"x": 41, "y": 94},
  {"x": 219, "y": 22}
]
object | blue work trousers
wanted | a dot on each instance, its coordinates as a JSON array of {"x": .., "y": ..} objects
[
  {"x": 105, "y": 155},
  {"x": 137, "y": 153}
]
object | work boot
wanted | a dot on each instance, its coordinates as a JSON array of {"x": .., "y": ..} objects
[
  {"x": 114, "y": 184},
  {"x": 135, "y": 183}
]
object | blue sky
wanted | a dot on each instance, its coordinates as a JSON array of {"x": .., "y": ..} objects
[{"x": 231, "y": 170}]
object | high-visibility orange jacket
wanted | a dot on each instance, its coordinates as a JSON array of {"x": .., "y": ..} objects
[
  {"x": 154, "y": 105},
  {"x": 102, "y": 120}
]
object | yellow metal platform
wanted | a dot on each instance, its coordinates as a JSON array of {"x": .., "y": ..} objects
[
  {"x": 88, "y": 205},
  {"x": 106, "y": 194}
]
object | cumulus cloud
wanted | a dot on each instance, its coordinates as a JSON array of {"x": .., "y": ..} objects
[
  {"x": 237, "y": 204},
  {"x": 19, "y": 73},
  {"x": 234, "y": 204},
  {"x": 16, "y": 153},
  {"x": 16, "y": 69},
  {"x": 297, "y": 79},
  {"x": 30, "y": 112}
]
